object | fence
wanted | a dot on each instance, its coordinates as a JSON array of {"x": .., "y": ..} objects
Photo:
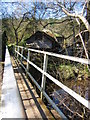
[{"x": 44, "y": 73}]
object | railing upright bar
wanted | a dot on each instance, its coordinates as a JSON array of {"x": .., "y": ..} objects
[
  {"x": 43, "y": 75},
  {"x": 15, "y": 51},
  {"x": 22, "y": 54},
  {"x": 28, "y": 58},
  {"x": 18, "y": 51}
]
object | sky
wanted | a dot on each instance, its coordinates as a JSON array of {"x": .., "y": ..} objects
[
  {"x": 11, "y": 8},
  {"x": 24, "y": 0},
  {"x": 38, "y": 0}
]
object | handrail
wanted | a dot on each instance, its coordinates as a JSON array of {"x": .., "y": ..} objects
[
  {"x": 11, "y": 104},
  {"x": 76, "y": 59},
  {"x": 82, "y": 100}
]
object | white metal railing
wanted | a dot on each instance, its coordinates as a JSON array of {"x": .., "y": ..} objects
[{"x": 80, "y": 99}]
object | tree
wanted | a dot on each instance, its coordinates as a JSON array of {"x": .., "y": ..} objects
[
  {"x": 20, "y": 23},
  {"x": 4, "y": 41},
  {"x": 77, "y": 17}
]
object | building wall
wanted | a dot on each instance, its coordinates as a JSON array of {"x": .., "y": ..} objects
[
  {"x": 41, "y": 44},
  {"x": 39, "y": 41}
]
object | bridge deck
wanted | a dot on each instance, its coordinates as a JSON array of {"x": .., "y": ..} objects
[{"x": 34, "y": 107}]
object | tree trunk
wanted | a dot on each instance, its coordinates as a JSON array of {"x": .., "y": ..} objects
[
  {"x": 4, "y": 41},
  {"x": 16, "y": 35},
  {"x": 87, "y": 34},
  {"x": 88, "y": 12}
]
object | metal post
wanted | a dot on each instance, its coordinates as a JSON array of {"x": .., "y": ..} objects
[
  {"x": 17, "y": 51},
  {"x": 13, "y": 50},
  {"x": 28, "y": 58},
  {"x": 43, "y": 76},
  {"x": 21, "y": 54}
]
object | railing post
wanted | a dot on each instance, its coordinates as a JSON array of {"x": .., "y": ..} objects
[
  {"x": 13, "y": 50},
  {"x": 43, "y": 76},
  {"x": 21, "y": 54},
  {"x": 28, "y": 58},
  {"x": 17, "y": 51}
]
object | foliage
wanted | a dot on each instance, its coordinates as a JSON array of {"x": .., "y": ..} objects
[
  {"x": 10, "y": 48},
  {"x": 66, "y": 71},
  {"x": 22, "y": 43}
]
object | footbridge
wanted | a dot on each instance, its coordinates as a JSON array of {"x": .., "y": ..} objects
[{"x": 23, "y": 96}]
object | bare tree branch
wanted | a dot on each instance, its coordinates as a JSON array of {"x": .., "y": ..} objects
[
  {"x": 82, "y": 41},
  {"x": 56, "y": 22},
  {"x": 81, "y": 17},
  {"x": 84, "y": 7}
]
